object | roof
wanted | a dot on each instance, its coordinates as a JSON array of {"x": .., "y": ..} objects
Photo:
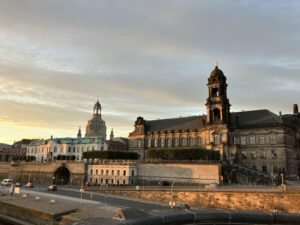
[
  {"x": 262, "y": 117},
  {"x": 254, "y": 118},
  {"x": 67, "y": 140},
  {"x": 182, "y": 123}
]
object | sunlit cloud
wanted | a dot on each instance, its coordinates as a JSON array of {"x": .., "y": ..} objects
[{"x": 140, "y": 58}]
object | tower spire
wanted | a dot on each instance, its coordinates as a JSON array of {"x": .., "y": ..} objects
[
  {"x": 112, "y": 134},
  {"x": 79, "y": 133}
]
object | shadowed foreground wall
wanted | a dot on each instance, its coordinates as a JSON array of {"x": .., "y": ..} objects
[{"x": 254, "y": 200}]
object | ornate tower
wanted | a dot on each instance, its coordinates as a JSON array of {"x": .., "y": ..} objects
[
  {"x": 217, "y": 105},
  {"x": 79, "y": 133},
  {"x": 96, "y": 126},
  {"x": 112, "y": 135}
]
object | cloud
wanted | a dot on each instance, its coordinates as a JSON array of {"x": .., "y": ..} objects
[{"x": 148, "y": 58}]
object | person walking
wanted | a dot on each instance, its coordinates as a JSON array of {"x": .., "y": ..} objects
[{"x": 12, "y": 189}]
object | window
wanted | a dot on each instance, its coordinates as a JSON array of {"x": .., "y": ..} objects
[
  {"x": 88, "y": 148},
  {"x": 191, "y": 141},
  {"x": 199, "y": 141},
  {"x": 54, "y": 150},
  {"x": 139, "y": 143},
  {"x": 244, "y": 155},
  {"x": 124, "y": 181},
  {"x": 124, "y": 173},
  {"x": 149, "y": 143},
  {"x": 77, "y": 149},
  {"x": 264, "y": 169},
  {"x": 69, "y": 149},
  {"x": 274, "y": 154},
  {"x": 93, "y": 148},
  {"x": 132, "y": 173},
  {"x": 252, "y": 140},
  {"x": 82, "y": 149},
  {"x": 243, "y": 140},
  {"x": 74, "y": 149},
  {"x": 102, "y": 172},
  {"x": 236, "y": 140},
  {"x": 272, "y": 139},
  {"x": 169, "y": 142},
  {"x": 162, "y": 142},
  {"x": 96, "y": 172},
  {"x": 112, "y": 172},
  {"x": 107, "y": 172},
  {"x": 183, "y": 141},
  {"x": 91, "y": 171},
  {"x": 176, "y": 142},
  {"x": 216, "y": 139},
  {"x": 263, "y": 155},
  {"x": 261, "y": 140},
  {"x": 155, "y": 143},
  {"x": 253, "y": 155},
  {"x": 118, "y": 173},
  {"x": 275, "y": 170}
]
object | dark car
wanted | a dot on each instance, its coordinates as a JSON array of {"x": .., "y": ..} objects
[
  {"x": 52, "y": 188},
  {"x": 164, "y": 183}
]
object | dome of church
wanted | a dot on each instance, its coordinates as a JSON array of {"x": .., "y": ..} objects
[
  {"x": 96, "y": 126},
  {"x": 217, "y": 73}
]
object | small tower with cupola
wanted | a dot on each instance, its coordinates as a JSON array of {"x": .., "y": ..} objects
[{"x": 217, "y": 105}]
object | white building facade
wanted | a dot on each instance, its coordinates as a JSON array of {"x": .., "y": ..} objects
[{"x": 64, "y": 148}]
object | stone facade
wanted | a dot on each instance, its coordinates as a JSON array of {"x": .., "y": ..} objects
[
  {"x": 112, "y": 173},
  {"x": 259, "y": 140},
  {"x": 133, "y": 172}
]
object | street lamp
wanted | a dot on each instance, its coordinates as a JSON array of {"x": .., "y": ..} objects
[{"x": 281, "y": 179}]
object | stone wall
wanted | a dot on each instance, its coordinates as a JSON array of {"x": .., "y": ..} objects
[
  {"x": 41, "y": 172},
  {"x": 4, "y": 170},
  {"x": 235, "y": 200},
  {"x": 180, "y": 173}
]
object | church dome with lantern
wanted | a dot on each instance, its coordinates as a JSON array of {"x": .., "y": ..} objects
[{"x": 96, "y": 126}]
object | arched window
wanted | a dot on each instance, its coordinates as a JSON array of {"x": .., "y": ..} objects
[
  {"x": 216, "y": 115},
  {"x": 183, "y": 141},
  {"x": 139, "y": 143},
  {"x": 199, "y": 141},
  {"x": 54, "y": 149},
  {"x": 176, "y": 142},
  {"x": 155, "y": 142},
  {"x": 162, "y": 142},
  {"x": 149, "y": 143},
  {"x": 191, "y": 141}
]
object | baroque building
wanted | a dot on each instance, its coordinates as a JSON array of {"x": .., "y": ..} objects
[
  {"x": 72, "y": 148},
  {"x": 257, "y": 140}
]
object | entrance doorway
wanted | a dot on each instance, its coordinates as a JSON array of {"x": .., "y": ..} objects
[{"x": 62, "y": 176}]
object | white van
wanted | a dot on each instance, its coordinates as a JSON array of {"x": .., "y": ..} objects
[{"x": 6, "y": 182}]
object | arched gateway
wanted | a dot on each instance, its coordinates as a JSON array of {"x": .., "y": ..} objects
[{"x": 61, "y": 175}]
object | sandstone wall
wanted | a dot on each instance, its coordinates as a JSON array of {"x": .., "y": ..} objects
[
  {"x": 180, "y": 173},
  {"x": 264, "y": 201}
]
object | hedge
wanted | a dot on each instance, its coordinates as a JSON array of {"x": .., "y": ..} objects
[
  {"x": 65, "y": 157},
  {"x": 183, "y": 154},
  {"x": 110, "y": 155}
]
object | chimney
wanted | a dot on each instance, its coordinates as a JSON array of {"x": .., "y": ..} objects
[{"x": 296, "y": 111}]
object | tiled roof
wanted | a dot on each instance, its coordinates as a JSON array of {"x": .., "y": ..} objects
[
  {"x": 255, "y": 118},
  {"x": 182, "y": 123}
]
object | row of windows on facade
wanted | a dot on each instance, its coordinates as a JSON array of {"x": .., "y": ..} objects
[
  {"x": 171, "y": 142},
  {"x": 252, "y": 140},
  {"x": 112, "y": 173},
  {"x": 253, "y": 155},
  {"x": 109, "y": 181},
  {"x": 70, "y": 149}
]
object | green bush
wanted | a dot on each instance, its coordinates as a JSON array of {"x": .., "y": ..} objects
[
  {"x": 110, "y": 155},
  {"x": 183, "y": 154}
]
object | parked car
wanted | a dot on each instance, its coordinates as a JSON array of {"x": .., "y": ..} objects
[
  {"x": 29, "y": 185},
  {"x": 6, "y": 182},
  {"x": 184, "y": 206},
  {"x": 18, "y": 184},
  {"x": 164, "y": 183},
  {"x": 52, "y": 188}
]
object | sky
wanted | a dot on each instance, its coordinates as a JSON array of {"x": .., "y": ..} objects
[{"x": 140, "y": 58}]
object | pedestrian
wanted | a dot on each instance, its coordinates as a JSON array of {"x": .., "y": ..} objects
[{"x": 12, "y": 189}]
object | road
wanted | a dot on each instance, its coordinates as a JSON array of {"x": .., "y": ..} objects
[{"x": 108, "y": 199}]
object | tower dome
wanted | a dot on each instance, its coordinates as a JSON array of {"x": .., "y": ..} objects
[
  {"x": 96, "y": 126},
  {"x": 216, "y": 75}
]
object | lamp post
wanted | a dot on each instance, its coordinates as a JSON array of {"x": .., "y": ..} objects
[{"x": 281, "y": 179}]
